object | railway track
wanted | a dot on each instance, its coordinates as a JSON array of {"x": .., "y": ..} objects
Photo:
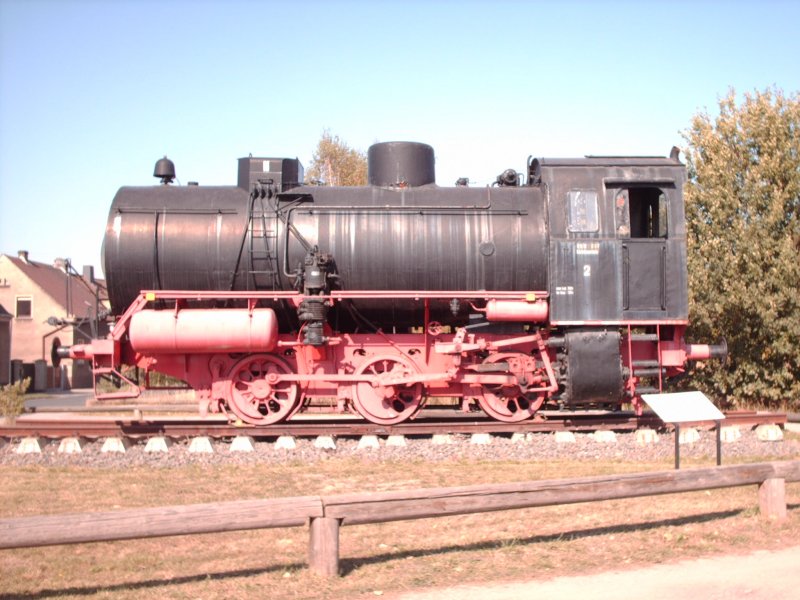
[{"x": 61, "y": 425}]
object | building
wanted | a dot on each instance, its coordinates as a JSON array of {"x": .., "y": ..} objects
[
  {"x": 45, "y": 306},
  {"x": 5, "y": 345}
]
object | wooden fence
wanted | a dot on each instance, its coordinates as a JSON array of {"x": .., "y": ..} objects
[{"x": 326, "y": 514}]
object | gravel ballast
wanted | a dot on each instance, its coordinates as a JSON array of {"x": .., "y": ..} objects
[{"x": 535, "y": 447}]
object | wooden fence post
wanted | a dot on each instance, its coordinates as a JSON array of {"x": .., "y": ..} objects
[
  {"x": 323, "y": 546},
  {"x": 772, "y": 498}
]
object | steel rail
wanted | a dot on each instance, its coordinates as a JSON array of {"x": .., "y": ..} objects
[{"x": 58, "y": 426}]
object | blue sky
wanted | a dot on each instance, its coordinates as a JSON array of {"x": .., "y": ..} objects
[{"x": 92, "y": 93}]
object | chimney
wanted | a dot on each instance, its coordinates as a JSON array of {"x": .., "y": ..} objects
[
  {"x": 23, "y": 256},
  {"x": 60, "y": 264},
  {"x": 88, "y": 273}
]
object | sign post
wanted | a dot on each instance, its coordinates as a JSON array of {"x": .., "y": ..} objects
[{"x": 686, "y": 407}]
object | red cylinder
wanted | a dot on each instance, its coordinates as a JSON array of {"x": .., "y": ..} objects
[
  {"x": 516, "y": 310},
  {"x": 204, "y": 330}
]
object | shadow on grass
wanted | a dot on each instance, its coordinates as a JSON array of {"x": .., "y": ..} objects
[
  {"x": 348, "y": 565},
  {"x": 133, "y": 586}
]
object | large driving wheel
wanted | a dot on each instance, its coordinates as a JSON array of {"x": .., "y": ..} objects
[
  {"x": 257, "y": 395},
  {"x": 511, "y": 403},
  {"x": 381, "y": 400}
]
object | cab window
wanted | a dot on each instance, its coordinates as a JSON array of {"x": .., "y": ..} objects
[
  {"x": 641, "y": 212},
  {"x": 583, "y": 213}
]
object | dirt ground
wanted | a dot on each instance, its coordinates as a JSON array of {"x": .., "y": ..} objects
[{"x": 759, "y": 576}]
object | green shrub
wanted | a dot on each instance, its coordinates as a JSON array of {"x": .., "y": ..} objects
[
  {"x": 743, "y": 235},
  {"x": 12, "y": 398}
]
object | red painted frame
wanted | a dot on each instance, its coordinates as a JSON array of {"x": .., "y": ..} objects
[{"x": 385, "y": 376}]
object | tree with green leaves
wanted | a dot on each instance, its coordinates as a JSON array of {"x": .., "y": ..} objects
[
  {"x": 743, "y": 226},
  {"x": 335, "y": 163}
]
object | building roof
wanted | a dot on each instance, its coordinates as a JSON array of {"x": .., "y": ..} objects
[
  {"x": 54, "y": 282},
  {"x": 4, "y": 314}
]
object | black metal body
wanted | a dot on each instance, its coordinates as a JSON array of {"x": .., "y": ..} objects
[
  {"x": 593, "y": 366},
  {"x": 422, "y": 238},
  {"x": 604, "y": 237},
  {"x": 401, "y": 164},
  {"x": 617, "y": 239},
  {"x": 426, "y": 238},
  {"x": 169, "y": 237}
]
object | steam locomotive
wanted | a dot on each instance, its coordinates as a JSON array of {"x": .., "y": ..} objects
[{"x": 562, "y": 287}]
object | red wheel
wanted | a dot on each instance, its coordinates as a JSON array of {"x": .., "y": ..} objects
[
  {"x": 510, "y": 403},
  {"x": 257, "y": 395},
  {"x": 382, "y": 400}
]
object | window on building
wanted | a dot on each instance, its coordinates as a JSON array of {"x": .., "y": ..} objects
[{"x": 24, "y": 307}]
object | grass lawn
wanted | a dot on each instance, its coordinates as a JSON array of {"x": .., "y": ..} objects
[{"x": 380, "y": 559}]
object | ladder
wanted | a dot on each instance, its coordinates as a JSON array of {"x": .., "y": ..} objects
[
  {"x": 649, "y": 370},
  {"x": 263, "y": 234}
]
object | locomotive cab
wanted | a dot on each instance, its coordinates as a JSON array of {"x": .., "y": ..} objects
[
  {"x": 618, "y": 285},
  {"x": 617, "y": 240}
]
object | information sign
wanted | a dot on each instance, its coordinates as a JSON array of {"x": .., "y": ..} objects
[{"x": 683, "y": 407}]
